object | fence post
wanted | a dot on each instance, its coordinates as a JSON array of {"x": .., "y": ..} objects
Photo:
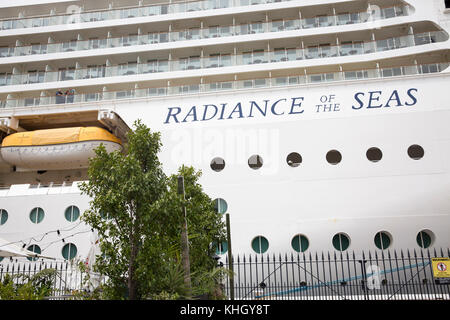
[{"x": 230, "y": 257}]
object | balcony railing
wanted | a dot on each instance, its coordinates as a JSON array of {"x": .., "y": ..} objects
[
  {"x": 229, "y": 85},
  {"x": 153, "y": 10},
  {"x": 224, "y": 60},
  {"x": 125, "y": 13},
  {"x": 201, "y": 33}
]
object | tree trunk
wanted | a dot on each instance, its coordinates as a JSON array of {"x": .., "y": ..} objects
[{"x": 132, "y": 283}]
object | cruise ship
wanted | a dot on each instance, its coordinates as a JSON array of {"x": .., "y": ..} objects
[{"x": 318, "y": 125}]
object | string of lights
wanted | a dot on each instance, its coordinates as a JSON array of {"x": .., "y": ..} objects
[
  {"x": 59, "y": 240},
  {"x": 63, "y": 239},
  {"x": 27, "y": 241}
]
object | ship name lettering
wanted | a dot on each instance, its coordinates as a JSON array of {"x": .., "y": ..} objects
[
  {"x": 224, "y": 111},
  {"x": 378, "y": 99}
]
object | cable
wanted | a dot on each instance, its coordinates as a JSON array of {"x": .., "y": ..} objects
[
  {"x": 72, "y": 235},
  {"x": 58, "y": 231}
]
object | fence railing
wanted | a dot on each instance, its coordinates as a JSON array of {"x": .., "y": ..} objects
[
  {"x": 369, "y": 275},
  {"x": 382, "y": 275},
  {"x": 66, "y": 280}
]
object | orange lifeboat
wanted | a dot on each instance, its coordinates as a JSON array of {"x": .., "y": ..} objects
[{"x": 56, "y": 149}]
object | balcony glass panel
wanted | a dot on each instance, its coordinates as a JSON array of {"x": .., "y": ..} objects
[
  {"x": 277, "y": 26},
  {"x": 310, "y": 23},
  {"x": 386, "y": 44},
  {"x": 5, "y": 79}
]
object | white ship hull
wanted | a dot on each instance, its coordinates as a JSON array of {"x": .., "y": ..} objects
[
  {"x": 359, "y": 198},
  {"x": 400, "y": 194}
]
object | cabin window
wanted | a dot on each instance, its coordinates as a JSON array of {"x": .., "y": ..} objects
[
  {"x": 294, "y": 159},
  {"x": 341, "y": 242},
  {"x": 382, "y": 240},
  {"x": 334, "y": 157},
  {"x": 255, "y": 162},
  {"x": 72, "y": 213},
  {"x": 374, "y": 154},
  {"x": 447, "y": 4},
  {"x": 69, "y": 251},
  {"x": 416, "y": 152},
  {"x": 424, "y": 239},
  {"x": 217, "y": 164},
  {"x": 34, "y": 248},
  {"x": 260, "y": 244},
  {"x": 220, "y": 247},
  {"x": 3, "y": 216},
  {"x": 37, "y": 215},
  {"x": 220, "y": 205},
  {"x": 300, "y": 243}
]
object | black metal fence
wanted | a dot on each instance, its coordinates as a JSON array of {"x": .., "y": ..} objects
[
  {"x": 65, "y": 280},
  {"x": 382, "y": 275}
]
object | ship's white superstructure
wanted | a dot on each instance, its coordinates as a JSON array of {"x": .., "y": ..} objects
[{"x": 319, "y": 125}]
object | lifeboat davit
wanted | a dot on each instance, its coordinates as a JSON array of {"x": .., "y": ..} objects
[{"x": 56, "y": 149}]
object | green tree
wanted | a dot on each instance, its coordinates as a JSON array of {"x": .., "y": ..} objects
[
  {"x": 22, "y": 286},
  {"x": 137, "y": 213}
]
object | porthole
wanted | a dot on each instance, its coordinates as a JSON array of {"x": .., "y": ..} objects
[
  {"x": 374, "y": 154},
  {"x": 220, "y": 205},
  {"x": 416, "y": 152},
  {"x": 3, "y": 216},
  {"x": 72, "y": 213},
  {"x": 34, "y": 248},
  {"x": 217, "y": 164},
  {"x": 37, "y": 215},
  {"x": 300, "y": 243},
  {"x": 334, "y": 157},
  {"x": 260, "y": 244},
  {"x": 255, "y": 162},
  {"x": 69, "y": 251},
  {"x": 104, "y": 216},
  {"x": 382, "y": 240},
  {"x": 341, "y": 242},
  {"x": 425, "y": 239},
  {"x": 294, "y": 159},
  {"x": 220, "y": 247}
]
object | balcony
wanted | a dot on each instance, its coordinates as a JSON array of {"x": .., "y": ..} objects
[
  {"x": 304, "y": 79},
  {"x": 352, "y": 48},
  {"x": 197, "y": 33}
]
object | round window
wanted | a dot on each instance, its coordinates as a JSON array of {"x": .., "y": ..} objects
[
  {"x": 220, "y": 205},
  {"x": 37, "y": 215},
  {"x": 217, "y": 164},
  {"x": 416, "y": 152},
  {"x": 255, "y": 162},
  {"x": 374, "y": 154},
  {"x": 221, "y": 247},
  {"x": 334, "y": 157},
  {"x": 3, "y": 216},
  {"x": 424, "y": 239},
  {"x": 260, "y": 244},
  {"x": 300, "y": 243},
  {"x": 69, "y": 251},
  {"x": 341, "y": 242},
  {"x": 34, "y": 248},
  {"x": 382, "y": 240},
  {"x": 294, "y": 159},
  {"x": 72, "y": 213}
]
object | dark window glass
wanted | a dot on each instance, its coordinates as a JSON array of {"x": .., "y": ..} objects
[
  {"x": 334, "y": 157},
  {"x": 374, "y": 154},
  {"x": 416, "y": 152},
  {"x": 294, "y": 159}
]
